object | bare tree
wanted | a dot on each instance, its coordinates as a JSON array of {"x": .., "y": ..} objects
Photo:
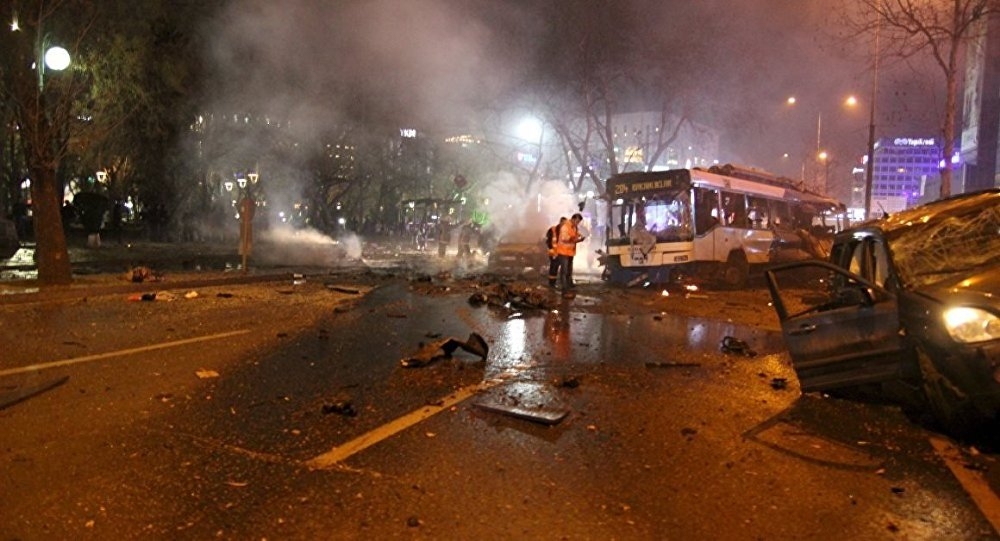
[
  {"x": 940, "y": 28},
  {"x": 43, "y": 105}
]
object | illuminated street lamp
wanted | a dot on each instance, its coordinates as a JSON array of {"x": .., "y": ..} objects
[{"x": 57, "y": 58}]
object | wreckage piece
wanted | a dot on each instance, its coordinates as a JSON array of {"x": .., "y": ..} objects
[
  {"x": 736, "y": 346},
  {"x": 440, "y": 349},
  {"x": 16, "y": 396},
  {"x": 526, "y": 400}
]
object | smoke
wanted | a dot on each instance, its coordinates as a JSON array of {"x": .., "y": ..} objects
[{"x": 305, "y": 247}]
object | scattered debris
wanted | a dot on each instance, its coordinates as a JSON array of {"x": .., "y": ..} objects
[
  {"x": 433, "y": 351},
  {"x": 9, "y": 398},
  {"x": 341, "y": 289},
  {"x": 898, "y": 490},
  {"x": 142, "y": 274},
  {"x": 736, "y": 346},
  {"x": 507, "y": 296},
  {"x": 688, "y": 433},
  {"x": 672, "y": 364},
  {"x": 206, "y": 374},
  {"x": 570, "y": 382},
  {"x": 224, "y": 295},
  {"x": 342, "y": 407},
  {"x": 779, "y": 383},
  {"x": 191, "y": 295}
]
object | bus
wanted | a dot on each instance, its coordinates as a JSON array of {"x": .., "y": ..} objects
[{"x": 712, "y": 225}]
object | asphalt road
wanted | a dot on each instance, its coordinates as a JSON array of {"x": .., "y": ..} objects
[{"x": 280, "y": 410}]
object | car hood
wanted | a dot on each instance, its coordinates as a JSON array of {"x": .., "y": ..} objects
[{"x": 981, "y": 287}]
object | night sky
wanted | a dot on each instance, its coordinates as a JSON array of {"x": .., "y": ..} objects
[{"x": 436, "y": 63}]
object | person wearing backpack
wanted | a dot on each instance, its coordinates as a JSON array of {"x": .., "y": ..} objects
[{"x": 551, "y": 238}]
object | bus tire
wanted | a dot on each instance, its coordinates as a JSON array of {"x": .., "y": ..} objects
[{"x": 736, "y": 272}]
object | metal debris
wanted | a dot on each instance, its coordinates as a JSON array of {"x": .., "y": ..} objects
[
  {"x": 779, "y": 383},
  {"x": 342, "y": 407},
  {"x": 672, "y": 364},
  {"x": 441, "y": 349},
  {"x": 736, "y": 346},
  {"x": 9, "y": 398}
]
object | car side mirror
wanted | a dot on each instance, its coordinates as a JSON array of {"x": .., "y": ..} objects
[{"x": 854, "y": 295}]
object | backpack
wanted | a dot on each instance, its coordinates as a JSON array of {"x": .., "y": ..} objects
[{"x": 550, "y": 236}]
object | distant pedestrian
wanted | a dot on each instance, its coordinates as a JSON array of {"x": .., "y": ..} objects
[
  {"x": 551, "y": 238},
  {"x": 569, "y": 237}
]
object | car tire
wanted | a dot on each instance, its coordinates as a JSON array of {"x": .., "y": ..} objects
[
  {"x": 952, "y": 412},
  {"x": 736, "y": 272}
]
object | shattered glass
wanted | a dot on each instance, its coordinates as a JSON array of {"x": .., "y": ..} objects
[{"x": 931, "y": 250}]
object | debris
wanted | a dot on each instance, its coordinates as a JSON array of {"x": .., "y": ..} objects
[
  {"x": 736, "y": 346},
  {"x": 342, "y": 407},
  {"x": 779, "y": 383},
  {"x": 142, "y": 274},
  {"x": 191, "y": 295},
  {"x": 898, "y": 490},
  {"x": 516, "y": 298},
  {"x": 530, "y": 401},
  {"x": 165, "y": 296},
  {"x": 413, "y": 522},
  {"x": 237, "y": 484},
  {"x": 224, "y": 295},
  {"x": 9, "y": 398},
  {"x": 206, "y": 374},
  {"x": 688, "y": 433},
  {"x": 341, "y": 289},
  {"x": 638, "y": 279},
  {"x": 433, "y": 351},
  {"x": 672, "y": 364},
  {"x": 571, "y": 382}
]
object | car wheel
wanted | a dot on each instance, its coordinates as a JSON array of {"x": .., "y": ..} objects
[
  {"x": 949, "y": 407},
  {"x": 736, "y": 272}
]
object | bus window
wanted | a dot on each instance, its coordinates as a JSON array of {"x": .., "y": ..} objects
[
  {"x": 757, "y": 213},
  {"x": 781, "y": 216},
  {"x": 706, "y": 210},
  {"x": 734, "y": 209}
]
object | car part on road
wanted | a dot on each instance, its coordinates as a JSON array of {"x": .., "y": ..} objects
[{"x": 441, "y": 349}]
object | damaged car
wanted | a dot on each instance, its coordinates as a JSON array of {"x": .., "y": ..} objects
[
  {"x": 911, "y": 301},
  {"x": 519, "y": 252}
]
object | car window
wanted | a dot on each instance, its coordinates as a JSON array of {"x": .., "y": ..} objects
[
  {"x": 946, "y": 245},
  {"x": 880, "y": 260}
]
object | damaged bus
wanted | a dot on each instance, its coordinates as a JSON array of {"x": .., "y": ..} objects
[{"x": 715, "y": 224}]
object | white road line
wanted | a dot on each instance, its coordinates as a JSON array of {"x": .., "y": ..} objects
[
  {"x": 119, "y": 353},
  {"x": 972, "y": 481},
  {"x": 340, "y": 453}
]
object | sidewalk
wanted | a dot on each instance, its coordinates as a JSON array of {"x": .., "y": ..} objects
[{"x": 105, "y": 270}]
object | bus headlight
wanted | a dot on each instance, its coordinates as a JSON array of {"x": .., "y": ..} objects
[{"x": 966, "y": 324}]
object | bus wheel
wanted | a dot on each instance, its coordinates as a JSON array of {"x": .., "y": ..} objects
[{"x": 736, "y": 272}]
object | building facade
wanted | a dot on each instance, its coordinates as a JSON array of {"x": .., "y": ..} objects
[
  {"x": 981, "y": 111},
  {"x": 903, "y": 169}
]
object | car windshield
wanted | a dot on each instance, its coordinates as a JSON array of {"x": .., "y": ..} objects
[{"x": 942, "y": 246}]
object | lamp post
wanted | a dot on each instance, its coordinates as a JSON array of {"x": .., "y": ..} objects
[{"x": 821, "y": 155}]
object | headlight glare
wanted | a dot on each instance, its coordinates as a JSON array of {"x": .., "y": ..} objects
[{"x": 967, "y": 324}]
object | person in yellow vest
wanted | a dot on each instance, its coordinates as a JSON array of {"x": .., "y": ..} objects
[
  {"x": 551, "y": 238},
  {"x": 569, "y": 236}
]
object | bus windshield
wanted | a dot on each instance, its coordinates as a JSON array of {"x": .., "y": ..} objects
[{"x": 667, "y": 216}]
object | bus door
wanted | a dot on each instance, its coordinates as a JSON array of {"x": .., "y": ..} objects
[
  {"x": 706, "y": 221},
  {"x": 759, "y": 238}
]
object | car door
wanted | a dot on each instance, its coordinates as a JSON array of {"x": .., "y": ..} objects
[{"x": 840, "y": 329}]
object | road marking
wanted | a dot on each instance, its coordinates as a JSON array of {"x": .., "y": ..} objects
[
  {"x": 972, "y": 481},
  {"x": 340, "y": 453},
  {"x": 119, "y": 353}
]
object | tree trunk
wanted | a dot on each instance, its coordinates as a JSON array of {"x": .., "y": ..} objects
[
  {"x": 51, "y": 255},
  {"x": 948, "y": 133}
]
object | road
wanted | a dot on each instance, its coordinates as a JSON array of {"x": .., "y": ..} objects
[{"x": 280, "y": 410}]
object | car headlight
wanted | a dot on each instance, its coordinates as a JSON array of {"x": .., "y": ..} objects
[{"x": 966, "y": 324}]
